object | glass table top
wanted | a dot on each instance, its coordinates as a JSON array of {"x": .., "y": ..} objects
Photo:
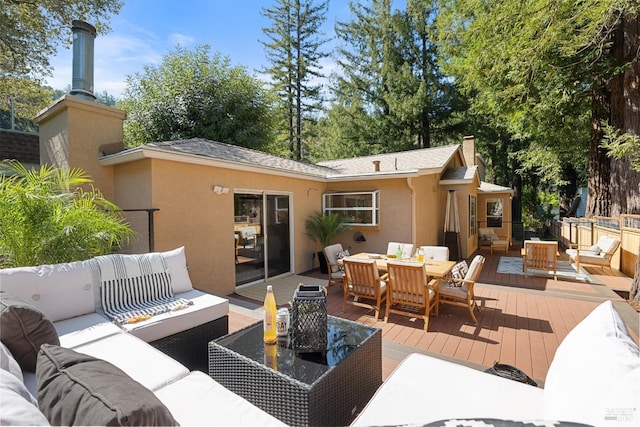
[{"x": 343, "y": 337}]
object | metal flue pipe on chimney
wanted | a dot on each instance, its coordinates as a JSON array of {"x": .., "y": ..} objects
[{"x": 83, "y": 37}]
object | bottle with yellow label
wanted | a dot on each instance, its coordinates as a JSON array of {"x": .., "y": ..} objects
[{"x": 270, "y": 310}]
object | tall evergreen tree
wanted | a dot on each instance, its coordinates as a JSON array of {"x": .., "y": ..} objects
[
  {"x": 388, "y": 60},
  {"x": 294, "y": 51}
]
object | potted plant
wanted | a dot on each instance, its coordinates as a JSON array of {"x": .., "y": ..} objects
[{"x": 323, "y": 229}]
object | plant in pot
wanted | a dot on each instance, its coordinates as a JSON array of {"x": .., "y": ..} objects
[{"x": 323, "y": 229}]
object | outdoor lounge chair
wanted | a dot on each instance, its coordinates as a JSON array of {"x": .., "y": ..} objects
[
  {"x": 336, "y": 273},
  {"x": 598, "y": 255},
  {"x": 488, "y": 237},
  {"x": 408, "y": 292},
  {"x": 460, "y": 291},
  {"x": 363, "y": 282}
]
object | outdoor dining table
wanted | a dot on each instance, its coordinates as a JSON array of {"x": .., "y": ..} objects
[{"x": 434, "y": 268}]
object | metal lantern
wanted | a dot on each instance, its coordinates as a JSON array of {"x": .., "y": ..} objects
[{"x": 309, "y": 319}]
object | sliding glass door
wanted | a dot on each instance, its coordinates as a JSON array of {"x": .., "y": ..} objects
[{"x": 262, "y": 236}]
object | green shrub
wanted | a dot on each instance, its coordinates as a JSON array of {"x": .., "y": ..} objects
[{"x": 50, "y": 215}]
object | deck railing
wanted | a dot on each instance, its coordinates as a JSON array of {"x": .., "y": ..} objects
[{"x": 587, "y": 231}]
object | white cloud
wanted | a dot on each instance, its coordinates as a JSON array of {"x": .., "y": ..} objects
[{"x": 181, "y": 39}]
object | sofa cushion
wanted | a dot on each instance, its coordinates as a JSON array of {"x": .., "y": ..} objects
[
  {"x": 84, "y": 329},
  {"x": 177, "y": 268},
  {"x": 205, "y": 308},
  {"x": 423, "y": 389},
  {"x": 595, "y": 372},
  {"x": 145, "y": 364},
  {"x": 76, "y": 389},
  {"x": 51, "y": 287},
  {"x": 18, "y": 406},
  {"x": 190, "y": 398},
  {"x": 23, "y": 329}
]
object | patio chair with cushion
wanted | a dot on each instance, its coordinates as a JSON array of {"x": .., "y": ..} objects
[
  {"x": 456, "y": 291},
  {"x": 598, "y": 255},
  {"x": 408, "y": 292},
  {"x": 363, "y": 282},
  {"x": 407, "y": 249},
  {"x": 488, "y": 237},
  {"x": 440, "y": 253},
  {"x": 333, "y": 253}
]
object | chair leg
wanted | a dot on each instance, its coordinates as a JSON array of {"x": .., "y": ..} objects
[{"x": 426, "y": 321}]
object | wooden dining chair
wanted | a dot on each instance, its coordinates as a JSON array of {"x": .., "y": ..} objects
[
  {"x": 460, "y": 291},
  {"x": 408, "y": 292},
  {"x": 363, "y": 282}
]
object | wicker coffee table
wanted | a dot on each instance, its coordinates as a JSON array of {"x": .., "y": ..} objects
[{"x": 306, "y": 389}]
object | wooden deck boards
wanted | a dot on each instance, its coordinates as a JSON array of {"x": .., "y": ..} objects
[{"x": 521, "y": 322}]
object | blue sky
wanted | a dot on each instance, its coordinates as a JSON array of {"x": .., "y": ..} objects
[{"x": 145, "y": 30}]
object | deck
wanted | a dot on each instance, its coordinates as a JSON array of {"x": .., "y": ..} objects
[{"x": 522, "y": 320}]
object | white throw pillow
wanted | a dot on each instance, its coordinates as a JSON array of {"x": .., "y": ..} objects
[
  {"x": 8, "y": 363},
  {"x": 595, "y": 249},
  {"x": 19, "y": 407},
  {"x": 177, "y": 266},
  {"x": 594, "y": 377}
]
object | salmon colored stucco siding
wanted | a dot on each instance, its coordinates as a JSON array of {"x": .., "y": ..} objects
[
  {"x": 192, "y": 215},
  {"x": 75, "y": 130}
]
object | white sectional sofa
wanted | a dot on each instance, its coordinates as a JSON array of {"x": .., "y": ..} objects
[
  {"x": 594, "y": 379},
  {"x": 69, "y": 297}
]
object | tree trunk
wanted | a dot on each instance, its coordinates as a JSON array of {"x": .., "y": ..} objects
[
  {"x": 599, "y": 200},
  {"x": 625, "y": 105}
]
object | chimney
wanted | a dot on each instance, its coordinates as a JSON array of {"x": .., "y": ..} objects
[
  {"x": 82, "y": 83},
  {"x": 469, "y": 150},
  {"x": 376, "y": 165}
]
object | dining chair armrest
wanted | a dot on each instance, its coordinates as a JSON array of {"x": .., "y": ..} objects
[
  {"x": 385, "y": 276},
  {"x": 435, "y": 284}
]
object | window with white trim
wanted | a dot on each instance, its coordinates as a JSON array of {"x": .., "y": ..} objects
[{"x": 356, "y": 207}]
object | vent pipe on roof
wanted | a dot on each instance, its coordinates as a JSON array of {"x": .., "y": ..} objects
[
  {"x": 376, "y": 165},
  {"x": 82, "y": 83}
]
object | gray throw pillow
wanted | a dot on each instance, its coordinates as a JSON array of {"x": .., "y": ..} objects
[
  {"x": 23, "y": 329},
  {"x": 77, "y": 389}
]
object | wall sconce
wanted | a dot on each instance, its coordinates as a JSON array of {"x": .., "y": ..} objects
[
  {"x": 218, "y": 189},
  {"x": 359, "y": 237}
]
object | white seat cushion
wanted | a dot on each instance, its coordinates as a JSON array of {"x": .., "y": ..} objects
[
  {"x": 199, "y": 400},
  {"x": 405, "y": 398},
  {"x": 84, "y": 329},
  {"x": 205, "y": 308},
  {"x": 150, "y": 367},
  {"x": 331, "y": 253}
]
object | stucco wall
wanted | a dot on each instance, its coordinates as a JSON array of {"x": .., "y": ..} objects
[
  {"x": 190, "y": 213},
  {"x": 72, "y": 130}
]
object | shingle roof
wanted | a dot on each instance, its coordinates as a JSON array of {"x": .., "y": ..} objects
[
  {"x": 390, "y": 164},
  {"x": 234, "y": 153},
  {"x": 426, "y": 158},
  {"x": 486, "y": 187}
]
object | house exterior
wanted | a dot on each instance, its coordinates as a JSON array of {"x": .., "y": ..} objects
[{"x": 241, "y": 213}]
